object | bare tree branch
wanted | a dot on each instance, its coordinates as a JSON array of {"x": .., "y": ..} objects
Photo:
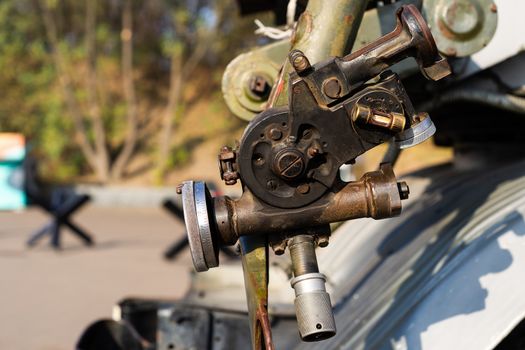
[
  {"x": 67, "y": 87},
  {"x": 196, "y": 57},
  {"x": 91, "y": 91},
  {"x": 129, "y": 92},
  {"x": 179, "y": 74},
  {"x": 174, "y": 97}
]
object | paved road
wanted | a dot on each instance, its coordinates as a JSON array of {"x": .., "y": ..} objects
[{"x": 47, "y": 297}]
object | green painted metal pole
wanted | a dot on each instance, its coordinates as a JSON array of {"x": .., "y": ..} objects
[{"x": 324, "y": 29}]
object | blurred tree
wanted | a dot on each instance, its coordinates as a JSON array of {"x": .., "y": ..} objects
[
  {"x": 195, "y": 25},
  {"x": 113, "y": 74},
  {"x": 96, "y": 152}
]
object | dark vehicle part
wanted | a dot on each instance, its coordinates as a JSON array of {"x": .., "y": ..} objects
[
  {"x": 148, "y": 325},
  {"x": 288, "y": 161},
  {"x": 112, "y": 335}
]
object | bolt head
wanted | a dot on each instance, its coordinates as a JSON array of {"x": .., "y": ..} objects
[
  {"x": 303, "y": 188},
  {"x": 276, "y": 134},
  {"x": 259, "y": 86},
  {"x": 289, "y": 164},
  {"x": 461, "y": 17},
  {"x": 332, "y": 87}
]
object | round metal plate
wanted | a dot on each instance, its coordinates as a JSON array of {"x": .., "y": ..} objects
[
  {"x": 201, "y": 205},
  {"x": 192, "y": 226},
  {"x": 417, "y": 134},
  {"x": 461, "y": 27},
  {"x": 238, "y": 73}
]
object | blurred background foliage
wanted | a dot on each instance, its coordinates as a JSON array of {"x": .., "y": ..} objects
[{"x": 118, "y": 90}]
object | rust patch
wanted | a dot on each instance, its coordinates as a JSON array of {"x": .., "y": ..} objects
[
  {"x": 304, "y": 28},
  {"x": 349, "y": 19},
  {"x": 263, "y": 323}
]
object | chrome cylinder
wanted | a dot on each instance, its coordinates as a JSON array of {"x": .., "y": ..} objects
[{"x": 313, "y": 307}]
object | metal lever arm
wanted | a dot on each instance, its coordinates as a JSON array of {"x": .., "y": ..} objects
[{"x": 410, "y": 38}]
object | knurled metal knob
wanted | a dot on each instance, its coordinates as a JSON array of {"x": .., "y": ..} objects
[{"x": 197, "y": 202}]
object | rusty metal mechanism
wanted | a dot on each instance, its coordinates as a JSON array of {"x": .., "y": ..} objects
[{"x": 288, "y": 162}]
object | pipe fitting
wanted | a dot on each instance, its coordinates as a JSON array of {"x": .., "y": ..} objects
[{"x": 313, "y": 308}]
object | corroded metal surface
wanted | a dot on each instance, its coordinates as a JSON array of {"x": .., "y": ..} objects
[
  {"x": 254, "y": 252},
  {"x": 269, "y": 59},
  {"x": 462, "y": 27},
  {"x": 429, "y": 273},
  {"x": 322, "y": 31},
  {"x": 375, "y": 195},
  {"x": 411, "y": 33},
  {"x": 288, "y": 161}
]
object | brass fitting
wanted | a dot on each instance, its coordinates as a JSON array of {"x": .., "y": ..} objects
[{"x": 365, "y": 115}]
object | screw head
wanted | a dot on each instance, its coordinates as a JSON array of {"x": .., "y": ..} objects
[
  {"x": 289, "y": 164},
  {"x": 303, "y": 188}
]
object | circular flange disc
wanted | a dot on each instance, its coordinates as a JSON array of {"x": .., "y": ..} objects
[
  {"x": 235, "y": 78},
  {"x": 192, "y": 226},
  {"x": 202, "y": 198},
  {"x": 417, "y": 134},
  {"x": 461, "y": 27}
]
